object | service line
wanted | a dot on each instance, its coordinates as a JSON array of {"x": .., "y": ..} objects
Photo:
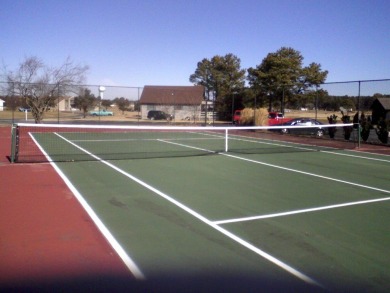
[{"x": 252, "y": 218}]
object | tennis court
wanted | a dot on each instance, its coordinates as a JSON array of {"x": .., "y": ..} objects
[{"x": 256, "y": 211}]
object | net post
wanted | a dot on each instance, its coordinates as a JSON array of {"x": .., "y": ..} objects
[
  {"x": 226, "y": 140},
  {"x": 14, "y": 142}
]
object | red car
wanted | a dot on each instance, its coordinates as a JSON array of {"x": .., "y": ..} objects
[
  {"x": 275, "y": 118},
  {"x": 236, "y": 117}
]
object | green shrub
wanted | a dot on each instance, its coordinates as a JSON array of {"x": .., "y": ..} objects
[{"x": 382, "y": 130}]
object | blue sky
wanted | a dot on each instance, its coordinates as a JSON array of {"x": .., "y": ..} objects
[{"x": 137, "y": 43}]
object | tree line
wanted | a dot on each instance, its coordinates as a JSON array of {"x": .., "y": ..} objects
[
  {"x": 280, "y": 79},
  {"x": 279, "y": 82}
]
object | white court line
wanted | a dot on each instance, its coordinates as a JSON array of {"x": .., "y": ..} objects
[
  {"x": 221, "y": 222},
  {"x": 140, "y": 139},
  {"x": 306, "y": 173},
  {"x": 244, "y": 243},
  {"x": 308, "y": 147},
  {"x": 283, "y": 168},
  {"x": 189, "y": 147},
  {"x": 356, "y": 156},
  {"x": 254, "y": 140},
  {"x": 130, "y": 264}
]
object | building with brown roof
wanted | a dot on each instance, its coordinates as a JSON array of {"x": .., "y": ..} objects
[
  {"x": 380, "y": 109},
  {"x": 182, "y": 102}
]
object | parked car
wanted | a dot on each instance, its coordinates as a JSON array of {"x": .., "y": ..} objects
[
  {"x": 237, "y": 117},
  {"x": 21, "y": 109},
  {"x": 275, "y": 118},
  {"x": 318, "y": 131},
  {"x": 159, "y": 115},
  {"x": 101, "y": 113}
]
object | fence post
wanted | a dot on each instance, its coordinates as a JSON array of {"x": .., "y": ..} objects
[{"x": 359, "y": 130}]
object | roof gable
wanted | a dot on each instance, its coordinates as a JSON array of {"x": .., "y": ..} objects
[
  {"x": 384, "y": 102},
  {"x": 172, "y": 95}
]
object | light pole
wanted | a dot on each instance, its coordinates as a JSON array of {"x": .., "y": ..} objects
[{"x": 101, "y": 91}]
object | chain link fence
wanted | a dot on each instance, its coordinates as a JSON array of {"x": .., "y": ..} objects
[
  {"x": 354, "y": 95},
  {"x": 79, "y": 104},
  {"x": 120, "y": 104},
  {"x": 364, "y": 103}
]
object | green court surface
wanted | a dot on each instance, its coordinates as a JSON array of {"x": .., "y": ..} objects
[{"x": 297, "y": 219}]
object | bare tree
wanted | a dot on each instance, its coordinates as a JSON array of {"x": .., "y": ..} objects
[{"x": 41, "y": 86}]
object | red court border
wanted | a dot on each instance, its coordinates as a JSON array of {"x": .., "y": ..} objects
[{"x": 46, "y": 237}]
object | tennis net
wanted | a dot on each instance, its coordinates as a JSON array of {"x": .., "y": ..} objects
[{"x": 67, "y": 143}]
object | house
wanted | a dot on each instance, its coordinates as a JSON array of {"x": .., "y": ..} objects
[
  {"x": 182, "y": 102},
  {"x": 65, "y": 103},
  {"x": 380, "y": 109},
  {"x": 1, "y": 105}
]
